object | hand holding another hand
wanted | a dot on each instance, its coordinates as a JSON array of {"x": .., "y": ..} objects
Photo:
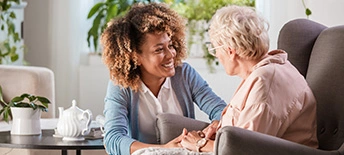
[
  {"x": 189, "y": 141},
  {"x": 210, "y": 131},
  {"x": 176, "y": 141}
]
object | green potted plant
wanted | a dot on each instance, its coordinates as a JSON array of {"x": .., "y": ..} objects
[
  {"x": 10, "y": 44},
  {"x": 25, "y": 112}
]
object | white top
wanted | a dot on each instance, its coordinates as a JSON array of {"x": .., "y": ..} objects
[{"x": 150, "y": 106}]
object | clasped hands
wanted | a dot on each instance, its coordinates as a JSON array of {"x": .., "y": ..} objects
[{"x": 188, "y": 139}]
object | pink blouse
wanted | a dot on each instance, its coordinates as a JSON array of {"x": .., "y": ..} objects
[{"x": 275, "y": 99}]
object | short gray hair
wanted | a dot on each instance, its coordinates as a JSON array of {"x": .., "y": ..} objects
[{"x": 240, "y": 28}]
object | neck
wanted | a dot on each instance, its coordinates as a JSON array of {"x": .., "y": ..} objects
[
  {"x": 246, "y": 67},
  {"x": 154, "y": 85}
]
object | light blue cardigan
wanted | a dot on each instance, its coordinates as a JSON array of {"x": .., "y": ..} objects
[{"x": 121, "y": 107}]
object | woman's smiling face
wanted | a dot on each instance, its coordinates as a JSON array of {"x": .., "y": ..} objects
[{"x": 157, "y": 58}]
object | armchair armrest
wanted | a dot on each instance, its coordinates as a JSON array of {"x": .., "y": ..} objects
[
  {"x": 234, "y": 140},
  {"x": 169, "y": 126}
]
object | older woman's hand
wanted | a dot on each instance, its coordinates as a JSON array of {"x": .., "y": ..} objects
[
  {"x": 210, "y": 131},
  {"x": 189, "y": 141},
  {"x": 176, "y": 141}
]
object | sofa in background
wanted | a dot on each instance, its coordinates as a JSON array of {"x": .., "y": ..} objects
[{"x": 317, "y": 52}]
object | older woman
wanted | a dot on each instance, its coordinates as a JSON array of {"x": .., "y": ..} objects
[
  {"x": 143, "y": 51},
  {"x": 273, "y": 97}
]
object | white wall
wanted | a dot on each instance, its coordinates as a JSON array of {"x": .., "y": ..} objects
[
  {"x": 278, "y": 12},
  {"x": 55, "y": 35},
  {"x": 54, "y": 31}
]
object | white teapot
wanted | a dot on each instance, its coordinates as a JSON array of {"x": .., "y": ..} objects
[{"x": 74, "y": 123}]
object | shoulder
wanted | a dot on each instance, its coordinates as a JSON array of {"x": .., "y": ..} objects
[
  {"x": 259, "y": 81},
  {"x": 184, "y": 68},
  {"x": 185, "y": 72},
  {"x": 115, "y": 91}
]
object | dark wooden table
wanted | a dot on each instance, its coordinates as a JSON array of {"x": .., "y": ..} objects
[{"x": 47, "y": 141}]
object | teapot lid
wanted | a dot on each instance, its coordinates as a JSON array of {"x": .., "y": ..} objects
[{"x": 74, "y": 108}]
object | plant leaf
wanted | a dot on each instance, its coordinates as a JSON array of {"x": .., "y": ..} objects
[
  {"x": 2, "y": 110},
  {"x": 17, "y": 99},
  {"x": 1, "y": 97},
  {"x": 14, "y": 57},
  {"x": 33, "y": 105},
  {"x": 7, "y": 113},
  {"x": 16, "y": 37},
  {"x": 94, "y": 31},
  {"x": 43, "y": 99},
  {"x": 308, "y": 12},
  {"x": 13, "y": 15},
  {"x": 45, "y": 105},
  {"x": 32, "y": 98},
  {"x": 11, "y": 28},
  {"x": 25, "y": 95},
  {"x": 111, "y": 12},
  {"x": 20, "y": 104},
  {"x": 44, "y": 109},
  {"x": 88, "y": 38},
  {"x": 94, "y": 9},
  {"x": 95, "y": 42}
]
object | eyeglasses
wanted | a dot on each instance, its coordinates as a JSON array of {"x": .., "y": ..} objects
[{"x": 211, "y": 48}]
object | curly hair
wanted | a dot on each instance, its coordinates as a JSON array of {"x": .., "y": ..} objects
[
  {"x": 124, "y": 36},
  {"x": 241, "y": 28}
]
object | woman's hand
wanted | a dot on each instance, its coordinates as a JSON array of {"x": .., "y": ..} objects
[
  {"x": 176, "y": 141},
  {"x": 210, "y": 131},
  {"x": 189, "y": 141}
]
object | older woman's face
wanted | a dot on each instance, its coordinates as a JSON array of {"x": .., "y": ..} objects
[
  {"x": 225, "y": 57},
  {"x": 157, "y": 58}
]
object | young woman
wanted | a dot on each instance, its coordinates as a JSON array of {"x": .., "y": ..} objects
[{"x": 143, "y": 51}]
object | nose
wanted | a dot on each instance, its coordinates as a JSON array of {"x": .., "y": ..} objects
[{"x": 170, "y": 53}]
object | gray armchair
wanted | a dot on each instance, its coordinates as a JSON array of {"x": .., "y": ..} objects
[{"x": 318, "y": 53}]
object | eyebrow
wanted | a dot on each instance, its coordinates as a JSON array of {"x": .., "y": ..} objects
[
  {"x": 162, "y": 44},
  {"x": 159, "y": 44}
]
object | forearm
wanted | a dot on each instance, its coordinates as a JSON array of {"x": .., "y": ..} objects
[
  {"x": 209, "y": 147},
  {"x": 207, "y": 100},
  {"x": 139, "y": 145}
]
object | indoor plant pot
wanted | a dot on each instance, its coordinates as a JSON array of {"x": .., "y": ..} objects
[{"x": 25, "y": 121}]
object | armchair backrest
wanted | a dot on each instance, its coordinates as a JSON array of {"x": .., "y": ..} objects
[
  {"x": 318, "y": 53},
  {"x": 297, "y": 38},
  {"x": 326, "y": 78},
  {"x": 16, "y": 80}
]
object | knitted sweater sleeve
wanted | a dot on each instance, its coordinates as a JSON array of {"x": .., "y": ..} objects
[
  {"x": 117, "y": 140},
  {"x": 202, "y": 94}
]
